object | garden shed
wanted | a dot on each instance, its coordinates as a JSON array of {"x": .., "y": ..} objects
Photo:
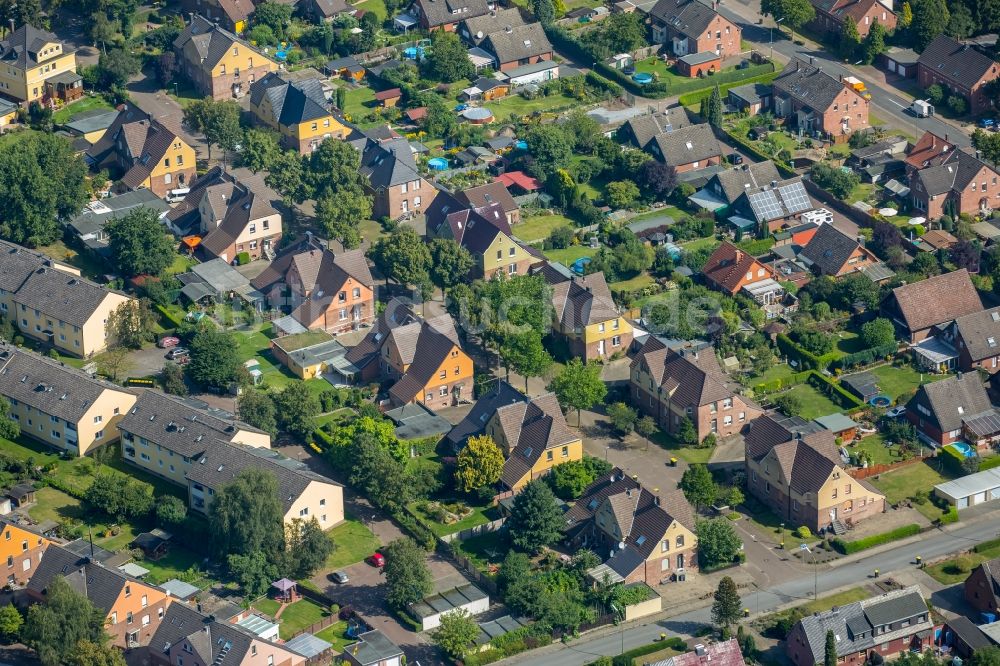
[
  {"x": 863, "y": 384},
  {"x": 465, "y": 597},
  {"x": 971, "y": 490}
]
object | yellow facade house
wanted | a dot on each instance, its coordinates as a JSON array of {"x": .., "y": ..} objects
[
  {"x": 35, "y": 66},
  {"x": 218, "y": 63},
  {"x": 58, "y": 405},
  {"x": 534, "y": 436},
  {"x": 298, "y": 110}
]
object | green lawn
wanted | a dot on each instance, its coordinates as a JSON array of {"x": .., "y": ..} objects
[
  {"x": 89, "y": 266},
  {"x": 182, "y": 264},
  {"x": 570, "y": 254},
  {"x": 52, "y": 504},
  {"x": 638, "y": 282},
  {"x": 86, "y": 103},
  {"x": 484, "y": 550},
  {"x": 480, "y": 516},
  {"x": 903, "y": 483},
  {"x": 359, "y": 101},
  {"x": 670, "y": 211},
  {"x": 267, "y": 605},
  {"x": 814, "y": 403},
  {"x": 875, "y": 446},
  {"x": 777, "y": 371},
  {"x": 180, "y": 563},
  {"x": 849, "y": 342},
  {"x": 376, "y": 7},
  {"x": 515, "y": 105},
  {"x": 336, "y": 634},
  {"x": 539, "y": 227},
  {"x": 693, "y": 455},
  {"x": 354, "y": 542},
  {"x": 902, "y": 381},
  {"x": 699, "y": 243},
  {"x": 184, "y": 94},
  {"x": 765, "y": 518},
  {"x": 956, "y": 569},
  {"x": 256, "y": 345},
  {"x": 298, "y": 616},
  {"x": 861, "y": 192}
]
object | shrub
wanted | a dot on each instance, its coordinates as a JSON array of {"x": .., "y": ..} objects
[
  {"x": 803, "y": 532},
  {"x": 850, "y": 547},
  {"x": 986, "y": 546},
  {"x": 243, "y": 258},
  {"x": 950, "y": 516}
]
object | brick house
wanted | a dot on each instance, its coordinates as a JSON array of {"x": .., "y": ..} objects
[
  {"x": 834, "y": 253},
  {"x": 491, "y": 193},
  {"x": 391, "y": 177},
  {"x": 794, "y": 468},
  {"x": 918, "y": 307},
  {"x": 953, "y": 409},
  {"x": 218, "y": 63},
  {"x": 982, "y": 587},
  {"x": 955, "y": 183},
  {"x": 671, "y": 386},
  {"x": 514, "y": 47},
  {"x": 646, "y": 536},
  {"x": 976, "y": 340},
  {"x": 694, "y": 26},
  {"x": 688, "y": 148},
  {"x": 768, "y": 206},
  {"x": 22, "y": 550},
  {"x": 447, "y": 14},
  {"x": 731, "y": 270},
  {"x": 814, "y": 101},
  {"x": 727, "y": 186},
  {"x": 321, "y": 290},
  {"x": 883, "y": 626},
  {"x": 959, "y": 68},
  {"x": 831, "y": 14}
]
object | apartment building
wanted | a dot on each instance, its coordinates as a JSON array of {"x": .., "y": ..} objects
[{"x": 35, "y": 65}]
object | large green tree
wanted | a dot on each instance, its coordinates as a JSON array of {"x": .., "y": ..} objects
[
  {"x": 120, "y": 496},
  {"x": 218, "y": 121},
  {"x": 874, "y": 44},
  {"x": 456, "y": 634},
  {"x": 698, "y": 486},
  {"x": 850, "y": 39},
  {"x": 88, "y": 653},
  {"x": 306, "y": 548},
  {"x": 726, "y": 607},
  {"x": 550, "y": 148},
  {"x": 275, "y": 15},
  {"x": 449, "y": 59},
  {"x": 139, "y": 244},
  {"x": 376, "y": 472},
  {"x": 55, "y": 627},
  {"x": 525, "y": 354},
  {"x": 297, "y": 407},
  {"x": 480, "y": 464},
  {"x": 257, "y": 409},
  {"x": 795, "y": 13},
  {"x": 712, "y": 108},
  {"x": 718, "y": 542},
  {"x": 131, "y": 324},
  {"x": 930, "y": 19},
  {"x": 878, "y": 332},
  {"x": 246, "y": 515},
  {"x": 261, "y": 148},
  {"x": 535, "y": 519},
  {"x": 579, "y": 386},
  {"x": 9, "y": 428},
  {"x": 214, "y": 358},
  {"x": 450, "y": 262},
  {"x": 403, "y": 256},
  {"x": 333, "y": 178},
  {"x": 407, "y": 577},
  {"x": 41, "y": 182}
]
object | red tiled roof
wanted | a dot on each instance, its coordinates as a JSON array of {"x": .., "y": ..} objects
[
  {"x": 728, "y": 266},
  {"x": 418, "y": 113},
  {"x": 388, "y": 94},
  {"x": 930, "y": 150},
  {"x": 521, "y": 179}
]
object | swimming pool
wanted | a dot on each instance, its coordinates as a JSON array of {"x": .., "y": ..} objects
[
  {"x": 964, "y": 448},
  {"x": 438, "y": 163},
  {"x": 642, "y": 78},
  {"x": 413, "y": 52}
]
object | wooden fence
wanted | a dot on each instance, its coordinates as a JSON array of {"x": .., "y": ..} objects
[
  {"x": 319, "y": 626},
  {"x": 486, "y": 528},
  {"x": 482, "y": 581},
  {"x": 880, "y": 468}
]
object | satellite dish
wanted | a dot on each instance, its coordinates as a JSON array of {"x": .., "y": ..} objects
[{"x": 479, "y": 35}]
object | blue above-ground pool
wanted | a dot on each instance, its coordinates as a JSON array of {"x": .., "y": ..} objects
[
  {"x": 438, "y": 163},
  {"x": 413, "y": 52},
  {"x": 642, "y": 78},
  {"x": 880, "y": 401},
  {"x": 967, "y": 450},
  {"x": 521, "y": 145},
  {"x": 282, "y": 52},
  {"x": 580, "y": 265}
]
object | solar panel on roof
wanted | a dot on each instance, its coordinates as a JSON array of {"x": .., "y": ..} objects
[
  {"x": 795, "y": 197},
  {"x": 766, "y": 205}
]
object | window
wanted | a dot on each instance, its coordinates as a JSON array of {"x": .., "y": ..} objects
[
  {"x": 98, "y": 418},
  {"x": 128, "y": 591},
  {"x": 343, "y": 314},
  {"x": 616, "y": 341},
  {"x": 443, "y": 375},
  {"x": 443, "y": 391},
  {"x": 403, "y": 188},
  {"x": 600, "y": 327},
  {"x": 304, "y": 512},
  {"x": 99, "y": 434},
  {"x": 430, "y": 396},
  {"x": 499, "y": 254},
  {"x": 565, "y": 452},
  {"x": 342, "y": 297},
  {"x": 847, "y": 489},
  {"x": 680, "y": 541},
  {"x": 128, "y": 618},
  {"x": 145, "y": 601},
  {"x": 458, "y": 370},
  {"x": 114, "y": 617},
  {"x": 10, "y": 560},
  {"x": 665, "y": 545},
  {"x": 548, "y": 456},
  {"x": 512, "y": 252},
  {"x": 356, "y": 293},
  {"x": 834, "y": 493}
]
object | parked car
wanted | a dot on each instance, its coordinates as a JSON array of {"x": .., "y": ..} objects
[
  {"x": 339, "y": 577},
  {"x": 735, "y": 158},
  {"x": 177, "y": 352},
  {"x": 986, "y": 123},
  {"x": 168, "y": 341},
  {"x": 896, "y": 412},
  {"x": 377, "y": 560}
]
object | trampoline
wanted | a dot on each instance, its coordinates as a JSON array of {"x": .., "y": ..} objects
[
  {"x": 880, "y": 401},
  {"x": 438, "y": 163},
  {"x": 478, "y": 115},
  {"x": 642, "y": 78}
]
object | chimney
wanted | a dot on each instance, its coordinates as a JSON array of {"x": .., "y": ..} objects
[
  {"x": 841, "y": 78},
  {"x": 933, "y": 141},
  {"x": 946, "y": 137},
  {"x": 700, "y": 650},
  {"x": 812, "y": 60}
]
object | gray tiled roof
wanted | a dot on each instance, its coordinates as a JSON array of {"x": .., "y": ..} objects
[
  {"x": 372, "y": 648},
  {"x": 695, "y": 143},
  {"x": 980, "y": 332},
  {"x": 579, "y": 300},
  {"x": 689, "y": 17},
  {"x": 954, "y": 61},
  {"x": 20, "y": 48},
  {"x": 808, "y": 84},
  {"x": 100, "y": 585},
  {"x": 430, "y": 346},
  {"x": 524, "y": 41},
  {"x": 146, "y": 140},
  {"x": 57, "y": 294},
  {"x": 952, "y": 400},
  {"x": 531, "y": 428},
  {"x": 211, "y": 641},
  {"x": 209, "y": 42},
  {"x": 954, "y": 174},
  {"x": 475, "y": 421},
  {"x": 442, "y": 12},
  {"x": 731, "y": 183},
  {"x": 829, "y": 249},
  {"x": 388, "y": 163},
  {"x": 477, "y": 28},
  {"x": 692, "y": 378},
  {"x": 292, "y": 102},
  {"x": 17, "y": 264}
]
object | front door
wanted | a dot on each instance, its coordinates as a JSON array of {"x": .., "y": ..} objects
[{"x": 600, "y": 347}]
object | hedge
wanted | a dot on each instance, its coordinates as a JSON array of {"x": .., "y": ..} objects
[
  {"x": 783, "y": 382},
  {"x": 628, "y": 658},
  {"x": 169, "y": 315},
  {"x": 806, "y": 358},
  {"x": 704, "y": 85},
  {"x": 989, "y": 463},
  {"x": 692, "y": 98},
  {"x": 952, "y": 458},
  {"x": 784, "y": 168},
  {"x": 513, "y": 642},
  {"x": 867, "y": 356},
  {"x": 950, "y": 516},
  {"x": 834, "y": 391},
  {"x": 986, "y": 546},
  {"x": 602, "y": 83},
  {"x": 850, "y": 547}
]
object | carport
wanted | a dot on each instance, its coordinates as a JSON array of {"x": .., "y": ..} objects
[{"x": 414, "y": 421}]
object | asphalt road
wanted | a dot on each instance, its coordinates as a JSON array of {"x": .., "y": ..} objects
[{"x": 932, "y": 545}]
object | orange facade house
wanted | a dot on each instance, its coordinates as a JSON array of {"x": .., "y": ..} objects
[{"x": 21, "y": 551}]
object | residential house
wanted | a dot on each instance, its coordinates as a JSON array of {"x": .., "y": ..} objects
[
  {"x": 955, "y": 409},
  {"x": 21, "y": 548},
  {"x": 49, "y": 301},
  {"x": 771, "y": 206},
  {"x": 959, "y": 68},
  {"x": 534, "y": 437},
  {"x": 38, "y": 66},
  {"x": 391, "y": 177},
  {"x": 688, "y": 384},
  {"x": 132, "y": 610},
  {"x": 801, "y": 478},
  {"x": 975, "y": 341},
  {"x": 935, "y": 240},
  {"x": 818, "y": 103},
  {"x": 474, "y": 423},
  {"x": 447, "y": 14},
  {"x": 519, "y": 182},
  {"x": 882, "y": 626},
  {"x": 725, "y": 187},
  {"x": 982, "y": 587},
  {"x": 475, "y": 29},
  {"x": 58, "y": 405},
  {"x": 929, "y": 150},
  {"x": 584, "y": 314},
  {"x": 688, "y": 148},
  {"x": 218, "y": 63},
  {"x": 373, "y": 649},
  {"x": 422, "y": 359},
  {"x": 647, "y": 536},
  {"x": 232, "y": 15},
  {"x": 88, "y": 226},
  {"x": 513, "y": 47},
  {"x": 832, "y": 14},
  {"x": 639, "y": 131},
  {"x": 231, "y": 215},
  {"x": 325, "y": 11},
  {"x": 918, "y": 307},
  {"x": 186, "y": 636},
  {"x": 495, "y": 192},
  {"x": 750, "y": 98},
  {"x": 694, "y": 26},
  {"x": 957, "y": 183},
  {"x": 484, "y": 232},
  {"x": 731, "y": 270},
  {"x": 832, "y": 252},
  {"x": 321, "y": 290},
  {"x": 144, "y": 153},
  {"x": 165, "y": 435},
  {"x": 880, "y": 161},
  {"x": 303, "y": 493},
  {"x": 298, "y": 110}
]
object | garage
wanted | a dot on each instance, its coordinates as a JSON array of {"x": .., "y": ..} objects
[{"x": 971, "y": 490}]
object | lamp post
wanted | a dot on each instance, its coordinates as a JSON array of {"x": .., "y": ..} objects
[
  {"x": 804, "y": 547},
  {"x": 771, "y": 36}
]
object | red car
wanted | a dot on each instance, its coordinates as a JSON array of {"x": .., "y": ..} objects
[
  {"x": 377, "y": 560},
  {"x": 168, "y": 341}
]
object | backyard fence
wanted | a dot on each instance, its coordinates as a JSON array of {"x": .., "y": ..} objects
[
  {"x": 314, "y": 596},
  {"x": 880, "y": 468},
  {"x": 481, "y": 580},
  {"x": 331, "y": 619},
  {"x": 475, "y": 531}
]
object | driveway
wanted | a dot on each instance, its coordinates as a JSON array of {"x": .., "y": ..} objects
[
  {"x": 145, "y": 91},
  {"x": 147, "y": 361}
]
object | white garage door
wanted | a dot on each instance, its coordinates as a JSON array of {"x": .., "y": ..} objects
[
  {"x": 962, "y": 502},
  {"x": 979, "y": 498}
]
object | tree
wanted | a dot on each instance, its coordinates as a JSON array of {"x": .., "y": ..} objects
[
  {"x": 102, "y": 31},
  {"x": 645, "y": 426},
  {"x": 878, "y": 333},
  {"x": 246, "y": 515},
  {"x": 987, "y": 143},
  {"x": 535, "y": 520},
  {"x": 579, "y": 386},
  {"x": 131, "y": 323},
  {"x": 560, "y": 238},
  {"x": 341, "y": 97},
  {"x": 449, "y": 60},
  {"x": 549, "y": 147},
  {"x": 658, "y": 179},
  {"x": 718, "y": 542},
  {"x": 525, "y": 354},
  {"x": 957, "y": 104},
  {"x": 839, "y": 183},
  {"x": 297, "y": 408},
  {"x": 905, "y": 16},
  {"x": 403, "y": 256},
  {"x": 711, "y": 109},
  {"x": 275, "y": 15},
  {"x": 260, "y": 149},
  {"x": 306, "y": 548},
  {"x": 830, "y": 651},
  {"x": 54, "y": 628},
  {"x": 257, "y": 408},
  {"x": 262, "y": 35},
  {"x": 254, "y": 571},
  {"x": 287, "y": 176},
  {"x": 874, "y": 42},
  {"x": 698, "y": 486},
  {"x": 987, "y": 656},
  {"x": 377, "y": 473},
  {"x": 407, "y": 578},
  {"x": 219, "y": 122},
  {"x": 965, "y": 254},
  {"x": 479, "y": 464},
  {"x": 170, "y": 511},
  {"x": 138, "y": 243},
  {"x": 88, "y": 653},
  {"x": 795, "y": 13},
  {"x": 930, "y": 19},
  {"x": 450, "y": 262},
  {"x": 115, "y": 68},
  {"x": 214, "y": 358},
  {"x": 10, "y": 623},
  {"x": 935, "y": 93},
  {"x": 850, "y": 39},
  {"x": 544, "y": 11},
  {"x": 457, "y": 632},
  {"x": 686, "y": 433},
  {"x": 41, "y": 182},
  {"x": 340, "y": 212},
  {"x": 120, "y": 496},
  {"x": 788, "y": 404},
  {"x": 622, "y": 193},
  {"x": 726, "y": 608},
  {"x": 172, "y": 377},
  {"x": 961, "y": 24},
  {"x": 622, "y": 417},
  {"x": 570, "y": 479},
  {"x": 9, "y": 428},
  {"x": 516, "y": 581}
]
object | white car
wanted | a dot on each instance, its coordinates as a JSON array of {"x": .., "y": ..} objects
[{"x": 895, "y": 412}]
